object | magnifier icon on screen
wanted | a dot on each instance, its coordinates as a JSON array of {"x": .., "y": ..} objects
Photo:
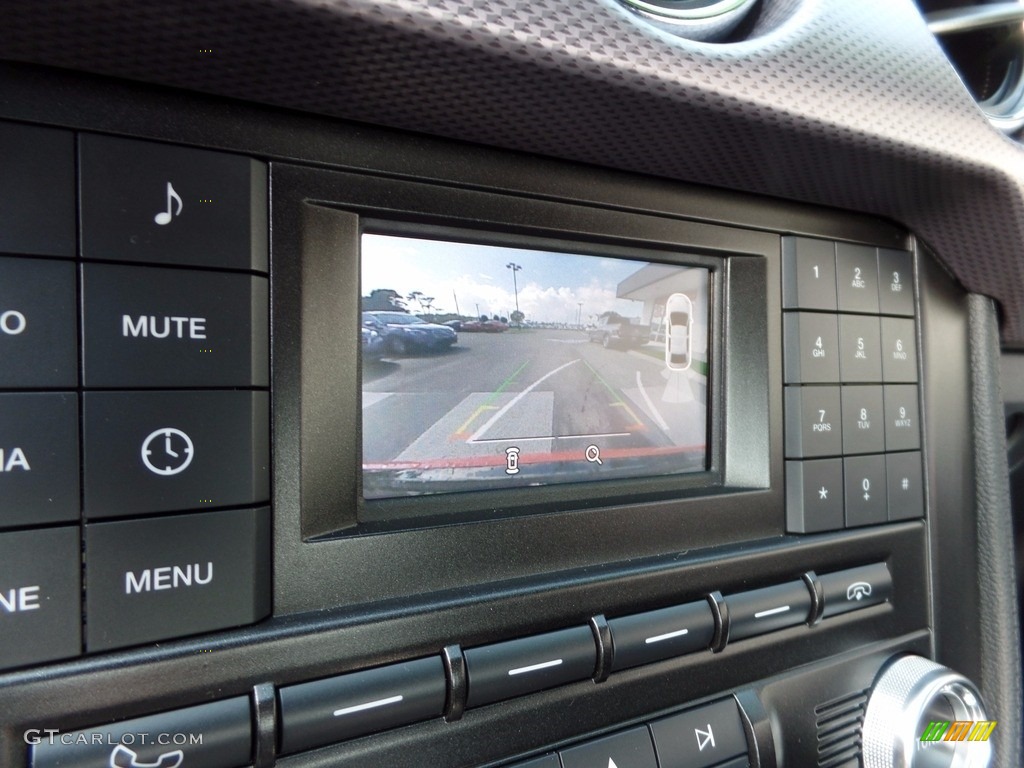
[{"x": 593, "y": 454}]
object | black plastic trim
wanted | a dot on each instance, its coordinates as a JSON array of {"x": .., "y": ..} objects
[
  {"x": 720, "y": 611},
  {"x": 605, "y": 647},
  {"x": 813, "y": 584},
  {"x": 264, "y": 699},
  {"x": 458, "y": 682}
]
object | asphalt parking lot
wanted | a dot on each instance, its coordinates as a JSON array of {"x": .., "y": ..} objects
[{"x": 549, "y": 393}]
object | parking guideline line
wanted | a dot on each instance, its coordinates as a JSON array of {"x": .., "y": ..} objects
[
  {"x": 505, "y": 409},
  {"x": 618, "y": 400},
  {"x": 654, "y": 411},
  {"x": 486, "y": 405}
]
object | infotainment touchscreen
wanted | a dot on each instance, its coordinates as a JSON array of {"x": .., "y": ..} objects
[{"x": 487, "y": 367}]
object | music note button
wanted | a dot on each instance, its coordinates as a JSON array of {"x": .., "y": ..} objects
[
  {"x": 151, "y": 203},
  {"x": 164, "y": 217}
]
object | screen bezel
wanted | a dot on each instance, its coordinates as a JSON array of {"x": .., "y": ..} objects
[
  {"x": 323, "y": 557},
  {"x": 468, "y": 506}
]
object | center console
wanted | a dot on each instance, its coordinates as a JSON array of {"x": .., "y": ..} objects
[{"x": 340, "y": 451}]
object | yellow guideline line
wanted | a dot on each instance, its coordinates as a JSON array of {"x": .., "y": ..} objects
[
  {"x": 618, "y": 400},
  {"x": 493, "y": 396},
  {"x": 480, "y": 409}
]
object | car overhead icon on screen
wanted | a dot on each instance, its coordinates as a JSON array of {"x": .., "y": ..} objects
[{"x": 678, "y": 325}]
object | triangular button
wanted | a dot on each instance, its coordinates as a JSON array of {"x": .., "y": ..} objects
[{"x": 705, "y": 738}]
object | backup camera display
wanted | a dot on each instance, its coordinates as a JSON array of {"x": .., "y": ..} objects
[{"x": 488, "y": 367}]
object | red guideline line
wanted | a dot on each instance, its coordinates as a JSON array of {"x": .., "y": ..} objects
[{"x": 499, "y": 460}]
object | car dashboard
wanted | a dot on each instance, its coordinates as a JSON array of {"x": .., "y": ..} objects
[{"x": 491, "y": 384}]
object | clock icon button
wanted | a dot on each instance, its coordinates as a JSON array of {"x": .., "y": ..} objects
[{"x": 167, "y": 451}]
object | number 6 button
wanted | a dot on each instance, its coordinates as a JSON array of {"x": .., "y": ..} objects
[{"x": 899, "y": 350}]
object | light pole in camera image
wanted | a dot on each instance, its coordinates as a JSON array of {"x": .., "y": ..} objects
[{"x": 515, "y": 285}]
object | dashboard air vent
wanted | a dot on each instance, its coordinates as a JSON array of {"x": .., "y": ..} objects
[
  {"x": 985, "y": 43},
  {"x": 839, "y": 724},
  {"x": 704, "y": 20}
]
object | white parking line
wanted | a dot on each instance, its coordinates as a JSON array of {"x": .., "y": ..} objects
[
  {"x": 551, "y": 437},
  {"x": 505, "y": 409},
  {"x": 654, "y": 411}
]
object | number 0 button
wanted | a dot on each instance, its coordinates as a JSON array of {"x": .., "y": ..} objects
[{"x": 864, "y": 478}]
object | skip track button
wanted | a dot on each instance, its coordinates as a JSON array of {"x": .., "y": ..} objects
[{"x": 701, "y": 737}]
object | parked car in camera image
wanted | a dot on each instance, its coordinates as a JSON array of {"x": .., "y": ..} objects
[
  {"x": 615, "y": 331},
  {"x": 405, "y": 334},
  {"x": 372, "y": 344},
  {"x": 484, "y": 325}
]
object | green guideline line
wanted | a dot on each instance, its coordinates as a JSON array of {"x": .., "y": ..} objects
[
  {"x": 618, "y": 398},
  {"x": 493, "y": 396}
]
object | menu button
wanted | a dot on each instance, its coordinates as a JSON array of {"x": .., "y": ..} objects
[
  {"x": 168, "y": 577},
  {"x": 174, "y": 576}
]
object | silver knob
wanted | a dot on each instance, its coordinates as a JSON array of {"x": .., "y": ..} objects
[{"x": 910, "y": 702}]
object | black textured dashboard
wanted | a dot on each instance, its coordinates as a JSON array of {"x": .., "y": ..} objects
[
  {"x": 518, "y": 623},
  {"x": 851, "y": 105}
]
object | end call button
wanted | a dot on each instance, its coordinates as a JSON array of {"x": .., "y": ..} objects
[{"x": 174, "y": 576}]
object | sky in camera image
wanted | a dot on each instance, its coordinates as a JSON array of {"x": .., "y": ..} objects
[{"x": 551, "y": 285}]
